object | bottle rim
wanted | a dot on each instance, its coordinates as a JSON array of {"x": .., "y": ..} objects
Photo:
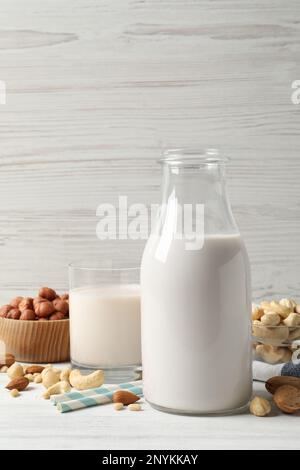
[{"x": 193, "y": 157}]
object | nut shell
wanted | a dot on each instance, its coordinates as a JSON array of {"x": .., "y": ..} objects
[
  {"x": 16, "y": 302},
  {"x": 61, "y": 306},
  {"x": 47, "y": 293},
  {"x": 4, "y": 310},
  {"x": 287, "y": 399},
  {"x": 14, "y": 314},
  {"x": 44, "y": 309},
  {"x": 27, "y": 315},
  {"x": 279, "y": 381},
  {"x": 57, "y": 316},
  {"x": 26, "y": 303}
]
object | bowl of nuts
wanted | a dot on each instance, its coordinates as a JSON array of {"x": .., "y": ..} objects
[
  {"x": 37, "y": 329},
  {"x": 275, "y": 330}
]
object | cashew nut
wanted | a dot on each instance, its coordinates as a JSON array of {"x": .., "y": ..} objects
[
  {"x": 265, "y": 304},
  {"x": 276, "y": 307},
  {"x": 297, "y": 308},
  {"x": 257, "y": 313},
  {"x": 65, "y": 374},
  {"x": 50, "y": 378},
  {"x": 84, "y": 382},
  {"x": 56, "y": 389},
  {"x": 15, "y": 371},
  {"x": 270, "y": 319},
  {"x": 49, "y": 366},
  {"x": 292, "y": 320},
  {"x": 272, "y": 354}
]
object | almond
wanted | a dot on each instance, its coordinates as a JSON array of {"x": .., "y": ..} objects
[
  {"x": 125, "y": 397},
  {"x": 287, "y": 398},
  {"x": 8, "y": 360},
  {"x": 275, "y": 382},
  {"x": 34, "y": 369},
  {"x": 19, "y": 384}
]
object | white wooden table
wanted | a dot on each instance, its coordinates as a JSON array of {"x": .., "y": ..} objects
[{"x": 29, "y": 422}]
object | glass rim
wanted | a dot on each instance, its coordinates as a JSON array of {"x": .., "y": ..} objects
[
  {"x": 82, "y": 265},
  {"x": 193, "y": 157}
]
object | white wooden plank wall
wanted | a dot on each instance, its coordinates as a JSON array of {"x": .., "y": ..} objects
[{"x": 95, "y": 88}]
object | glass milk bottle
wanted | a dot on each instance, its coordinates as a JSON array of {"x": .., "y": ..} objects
[{"x": 196, "y": 293}]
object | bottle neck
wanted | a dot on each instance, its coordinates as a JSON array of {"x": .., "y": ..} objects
[{"x": 203, "y": 185}]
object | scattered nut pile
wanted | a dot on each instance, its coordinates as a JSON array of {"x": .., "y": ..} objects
[
  {"x": 46, "y": 306},
  {"x": 286, "y": 396},
  {"x": 56, "y": 381},
  {"x": 277, "y": 324}
]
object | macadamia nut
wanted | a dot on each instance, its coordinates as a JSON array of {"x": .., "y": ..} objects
[{"x": 282, "y": 310}]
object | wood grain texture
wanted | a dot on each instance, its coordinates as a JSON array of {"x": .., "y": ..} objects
[
  {"x": 95, "y": 90},
  {"x": 35, "y": 341}
]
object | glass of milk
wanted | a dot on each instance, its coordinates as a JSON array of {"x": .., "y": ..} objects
[{"x": 105, "y": 319}]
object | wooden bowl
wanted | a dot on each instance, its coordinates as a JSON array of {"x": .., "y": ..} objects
[{"x": 36, "y": 341}]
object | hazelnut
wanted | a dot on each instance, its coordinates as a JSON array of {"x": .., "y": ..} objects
[
  {"x": 47, "y": 293},
  {"x": 44, "y": 309},
  {"x": 65, "y": 296},
  {"x": 14, "y": 314},
  {"x": 259, "y": 406},
  {"x": 27, "y": 315},
  {"x": 26, "y": 303},
  {"x": 42, "y": 319},
  {"x": 38, "y": 300},
  {"x": 61, "y": 306},
  {"x": 57, "y": 316},
  {"x": 16, "y": 302},
  {"x": 4, "y": 310}
]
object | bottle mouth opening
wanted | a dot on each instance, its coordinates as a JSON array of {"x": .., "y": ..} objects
[{"x": 193, "y": 158}]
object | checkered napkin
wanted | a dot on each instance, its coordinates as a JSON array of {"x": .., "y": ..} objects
[{"x": 96, "y": 396}]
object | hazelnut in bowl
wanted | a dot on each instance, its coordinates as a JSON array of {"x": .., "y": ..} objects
[{"x": 37, "y": 329}]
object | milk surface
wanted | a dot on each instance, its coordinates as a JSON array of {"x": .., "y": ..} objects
[
  {"x": 196, "y": 325},
  {"x": 105, "y": 326}
]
